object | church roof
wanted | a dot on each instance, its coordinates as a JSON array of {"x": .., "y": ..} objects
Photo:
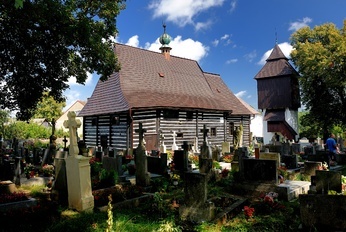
[
  {"x": 277, "y": 65},
  {"x": 147, "y": 80}
]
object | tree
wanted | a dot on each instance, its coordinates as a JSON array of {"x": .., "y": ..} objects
[
  {"x": 48, "y": 108},
  {"x": 4, "y": 118},
  {"x": 44, "y": 42},
  {"x": 320, "y": 56}
]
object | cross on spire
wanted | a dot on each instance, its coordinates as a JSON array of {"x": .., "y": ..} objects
[
  {"x": 205, "y": 132},
  {"x": 141, "y": 131}
]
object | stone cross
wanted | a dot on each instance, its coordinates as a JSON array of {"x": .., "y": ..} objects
[
  {"x": 174, "y": 146},
  {"x": 72, "y": 124},
  {"x": 205, "y": 133},
  {"x": 141, "y": 131},
  {"x": 65, "y": 141}
]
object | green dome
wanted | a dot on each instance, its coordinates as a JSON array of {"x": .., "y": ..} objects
[{"x": 165, "y": 39}]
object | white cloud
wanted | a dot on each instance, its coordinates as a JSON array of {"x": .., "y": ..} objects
[
  {"x": 240, "y": 94},
  {"x": 73, "y": 81},
  {"x": 203, "y": 25},
  {"x": 250, "y": 56},
  {"x": 285, "y": 47},
  {"x": 231, "y": 61},
  {"x": 215, "y": 42},
  {"x": 133, "y": 41},
  {"x": 182, "y": 12},
  {"x": 233, "y": 5},
  {"x": 299, "y": 24},
  {"x": 226, "y": 36},
  {"x": 187, "y": 48}
]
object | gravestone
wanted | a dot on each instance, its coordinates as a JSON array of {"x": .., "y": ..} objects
[
  {"x": 142, "y": 175},
  {"x": 174, "y": 145},
  {"x": 195, "y": 145},
  {"x": 205, "y": 165},
  {"x": 271, "y": 156},
  {"x": 226, "y": 147},
  {"x": 65, "y": 142},
  {"x": 59, "y": 186},
  {"x": 113, "y": 163},
  {"x": 157, "y": 164},
  {"x": 216, "y": 153},
  {"x": 260, "y": 170},
  {"x": 163, "y": 148},
  {"x": 196, "y": 207},
  {"x": 304, "y": 142},
  {"x": 181, "y": 158},
  {"x": 205, "y": 148},
  {"x": 18, "y": 171},
  {"x": 290, "y": 161},
  {"x": 310, "y": 167},
  {"x": 328, "y": 180},
  {"x": 77, "y": 170}
]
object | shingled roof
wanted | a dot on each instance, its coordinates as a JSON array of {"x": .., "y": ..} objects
[
  {"x": 277, "y": 65},
  {"x": 147, "y": 81}
]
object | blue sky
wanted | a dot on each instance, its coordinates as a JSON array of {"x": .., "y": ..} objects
[{"x": 232, "y": 38}]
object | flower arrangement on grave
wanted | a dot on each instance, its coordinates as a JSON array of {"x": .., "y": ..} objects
[
  {"x": 216, "y": 165},
  {"x": 12, "y": 197},
  {"x": 248, "y": 212},
  {"x": 224, "y": 173},
  {"x": 48, "y": 170},
  {"x": 29, "y": 170},
  {"x": 268, "y": 203},
  {"x": 175, "y": 178},
  {"x": 194, "y": 159},
  {"x": 227, "y": 158}
]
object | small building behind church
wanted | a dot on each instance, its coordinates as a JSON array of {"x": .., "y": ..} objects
[{"x": 168, "y": 95}]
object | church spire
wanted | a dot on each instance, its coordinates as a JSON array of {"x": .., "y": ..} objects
[{"x": 165, "y": 39}]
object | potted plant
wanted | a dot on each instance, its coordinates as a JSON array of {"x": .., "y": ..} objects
[
  {"x": 48, "y": 170},
  {"x": 29, "y": 171}
]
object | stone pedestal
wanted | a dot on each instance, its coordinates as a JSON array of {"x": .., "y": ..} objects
[{"x": 79, "y": 183}]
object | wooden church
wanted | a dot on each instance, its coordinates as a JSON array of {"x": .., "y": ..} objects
[
  {"x": 169, "y": 95},
  {"x": 278, "y": 97}
]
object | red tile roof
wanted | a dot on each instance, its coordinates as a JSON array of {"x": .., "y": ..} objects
[{"x": 148, "y": 80}]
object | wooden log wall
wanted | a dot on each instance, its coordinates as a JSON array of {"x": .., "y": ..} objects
[{"x": 121, "y": 135}]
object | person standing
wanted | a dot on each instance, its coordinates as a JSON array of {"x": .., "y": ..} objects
[{"x": 331, "y": 146}]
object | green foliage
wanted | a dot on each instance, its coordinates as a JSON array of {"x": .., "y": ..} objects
[
  {"x": 48, "y": 108},
  {"x": 44, "y": 43},
  {"x": 319, "y": 56}
]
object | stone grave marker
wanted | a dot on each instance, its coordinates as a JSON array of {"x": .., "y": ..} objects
[
  {"x": 113, "y": 163},
  {"x": 142, "y": 175},
  {"x": 260, "y": 170},
  {"x": 328, "y": 180},
  {"x": 226, "y": 147},
  {"x": 181, "y": 158},
  {"x": 163, "y": 148},
  {"x": 174, "y": 145},
  {"x": 205, "y": 148},
  {"x": 77, "y": 170},
  {"x": 290, "y": 161},
  {"x": 59, "y": 186},
  {"x": 196, "y": 207},
  {"x": 157, "y": 164},
  {"x": 271, "y": 156},
  {"x": 310, "y": 167},
  {"x": 205, "y": 165},
  {"x": 216, "y": 153}
]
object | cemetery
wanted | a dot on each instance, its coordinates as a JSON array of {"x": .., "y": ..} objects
[{"x": 218, "y": 187}]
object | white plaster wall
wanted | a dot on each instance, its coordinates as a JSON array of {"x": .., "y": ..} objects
[
  {"x": 256, "y": 126},
  {"x": 291, "y": 117}
]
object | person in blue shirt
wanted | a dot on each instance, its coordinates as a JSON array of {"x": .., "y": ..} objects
[{"x": 331, "y": 146}]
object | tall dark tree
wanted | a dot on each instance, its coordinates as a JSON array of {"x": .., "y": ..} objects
[
  {"x": 45, "y": 42},
  {"x": 320, "y": 56}
]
